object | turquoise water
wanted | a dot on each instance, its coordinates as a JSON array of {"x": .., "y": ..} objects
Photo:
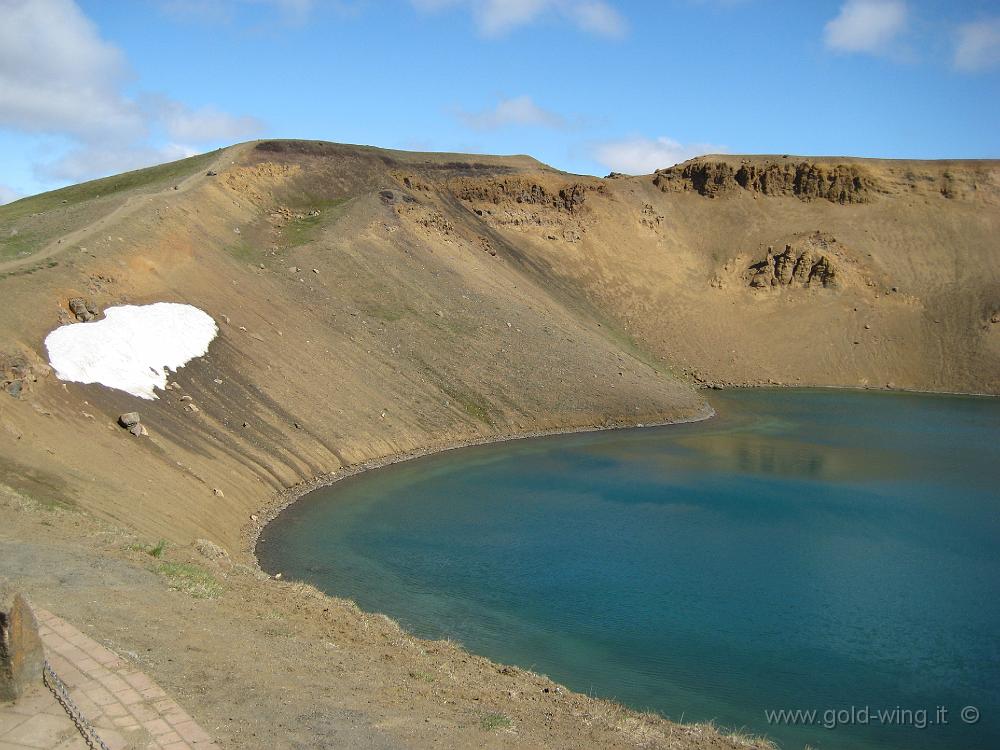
[{"x": 816, "y": 550}]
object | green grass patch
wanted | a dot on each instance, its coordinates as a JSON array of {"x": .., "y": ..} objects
[
  {"x": 22, "y": 242},
  {"x": 28, "y": 224},
  {"x": 387, "y": 313},
  {"x": 190, "y": 579},
  {"x": 246, "y": 250},
  {"x": 303, "y": 231},
  {"x": 106, "y": 186},
  {"x": 27, "y": 270},
  {"x": 472, "y": 404},
  {"x": 495, "y": 720},
  {"x": 249, "y": 246},
  {"x": 153, "y": 550}
]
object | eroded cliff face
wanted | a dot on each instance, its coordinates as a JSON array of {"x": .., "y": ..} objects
[
  {"x": 807, "y": 262},
  {"x": 841, "y": 183},
  {"x": 561, "y": 207},
  {"x": 566, "y": 196},
  {"x": 789, "y": 268}
]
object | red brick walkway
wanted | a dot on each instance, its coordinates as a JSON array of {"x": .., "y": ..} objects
[{"x": 128, "y": 710}]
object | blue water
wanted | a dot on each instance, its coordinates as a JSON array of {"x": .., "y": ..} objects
[{"x": 816, "y": 550}]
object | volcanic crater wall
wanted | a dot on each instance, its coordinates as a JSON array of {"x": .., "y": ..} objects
[{"x": 841, "y": 183}]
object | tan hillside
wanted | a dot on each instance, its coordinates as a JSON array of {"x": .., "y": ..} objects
[
  {"x": 783, "y": 269},
  {"x": 374, "y": 303}
]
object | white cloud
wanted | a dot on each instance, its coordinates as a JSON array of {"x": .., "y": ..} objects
[
  {"x": 203, "y": 125},
  {"x": 296, "y": 10},
  {"x": 978, "y": 45},
  {"x": 600, "y": 18},
  {"x": 498, "y": 17},
  {"x": 8, "y": 194},
  {"x": 866, "y": 26},
  {"x": 646, "y": 155},
  {"x": 291, "y": 12},
  {"x": 58, "y": 77},
  {"x": 90, "y": 160},
  {"x": 520, "y": 110}
]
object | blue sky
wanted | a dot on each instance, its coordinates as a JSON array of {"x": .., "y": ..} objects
[{"x": 89, "y": 88}]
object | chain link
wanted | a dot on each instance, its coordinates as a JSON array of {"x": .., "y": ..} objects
[{"x": 59, "y": 690}]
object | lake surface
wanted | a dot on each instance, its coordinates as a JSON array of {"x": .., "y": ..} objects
[{"x": 816, "y": 550}]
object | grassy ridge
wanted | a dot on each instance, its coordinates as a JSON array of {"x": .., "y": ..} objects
[{"x": 29, "y": 223}]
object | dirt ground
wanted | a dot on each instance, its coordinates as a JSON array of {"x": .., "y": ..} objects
[{"x": 375, "y": 303}]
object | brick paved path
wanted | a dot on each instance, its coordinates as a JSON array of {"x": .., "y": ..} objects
[{"x": 128, "y": 710}]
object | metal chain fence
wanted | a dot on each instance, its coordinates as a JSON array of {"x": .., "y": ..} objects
[{"x": 59, "y": 690}]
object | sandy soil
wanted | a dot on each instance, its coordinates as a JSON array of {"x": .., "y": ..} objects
[{"x": 373, "y": 304}]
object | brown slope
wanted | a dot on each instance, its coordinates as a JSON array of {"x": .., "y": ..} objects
[
  {"x": 409, "y": 334},
  {"x": 904, "y": 259},
  {"x": 455, "y": 298}
]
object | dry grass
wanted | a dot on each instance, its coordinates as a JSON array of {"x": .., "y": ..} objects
[
  {"x": 496, "y": 721},
  {"x": 190, "y": 579}
]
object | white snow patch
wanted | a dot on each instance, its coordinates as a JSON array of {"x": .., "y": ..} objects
[{"x": 132, "y": 347}]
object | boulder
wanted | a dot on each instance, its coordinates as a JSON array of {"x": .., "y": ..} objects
[
  {"x": 84, "y": 310},
  {"x": 210, "y": 550},
  {"x": 129, "y": 419},
  {"x": 21, "y": 656},
  {"x": 19, "y": 370}
]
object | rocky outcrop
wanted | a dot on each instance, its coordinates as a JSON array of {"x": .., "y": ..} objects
[
  {"x": 556, "y": 210},
  {"x": 83, "y": 309},
  {"x": 412, "y": 182},
  {"x": 19, "y": 371},
  {"x": 569, "y": 198},
  {"x": 650, "y": 217},
  {"x": 429, "y": 219},
  {"x": 389, "y": 197},
  {"x": 804, "y": 268},
  {"x": 840, "y": 183},
  {"x": 210, "y": 550}
]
